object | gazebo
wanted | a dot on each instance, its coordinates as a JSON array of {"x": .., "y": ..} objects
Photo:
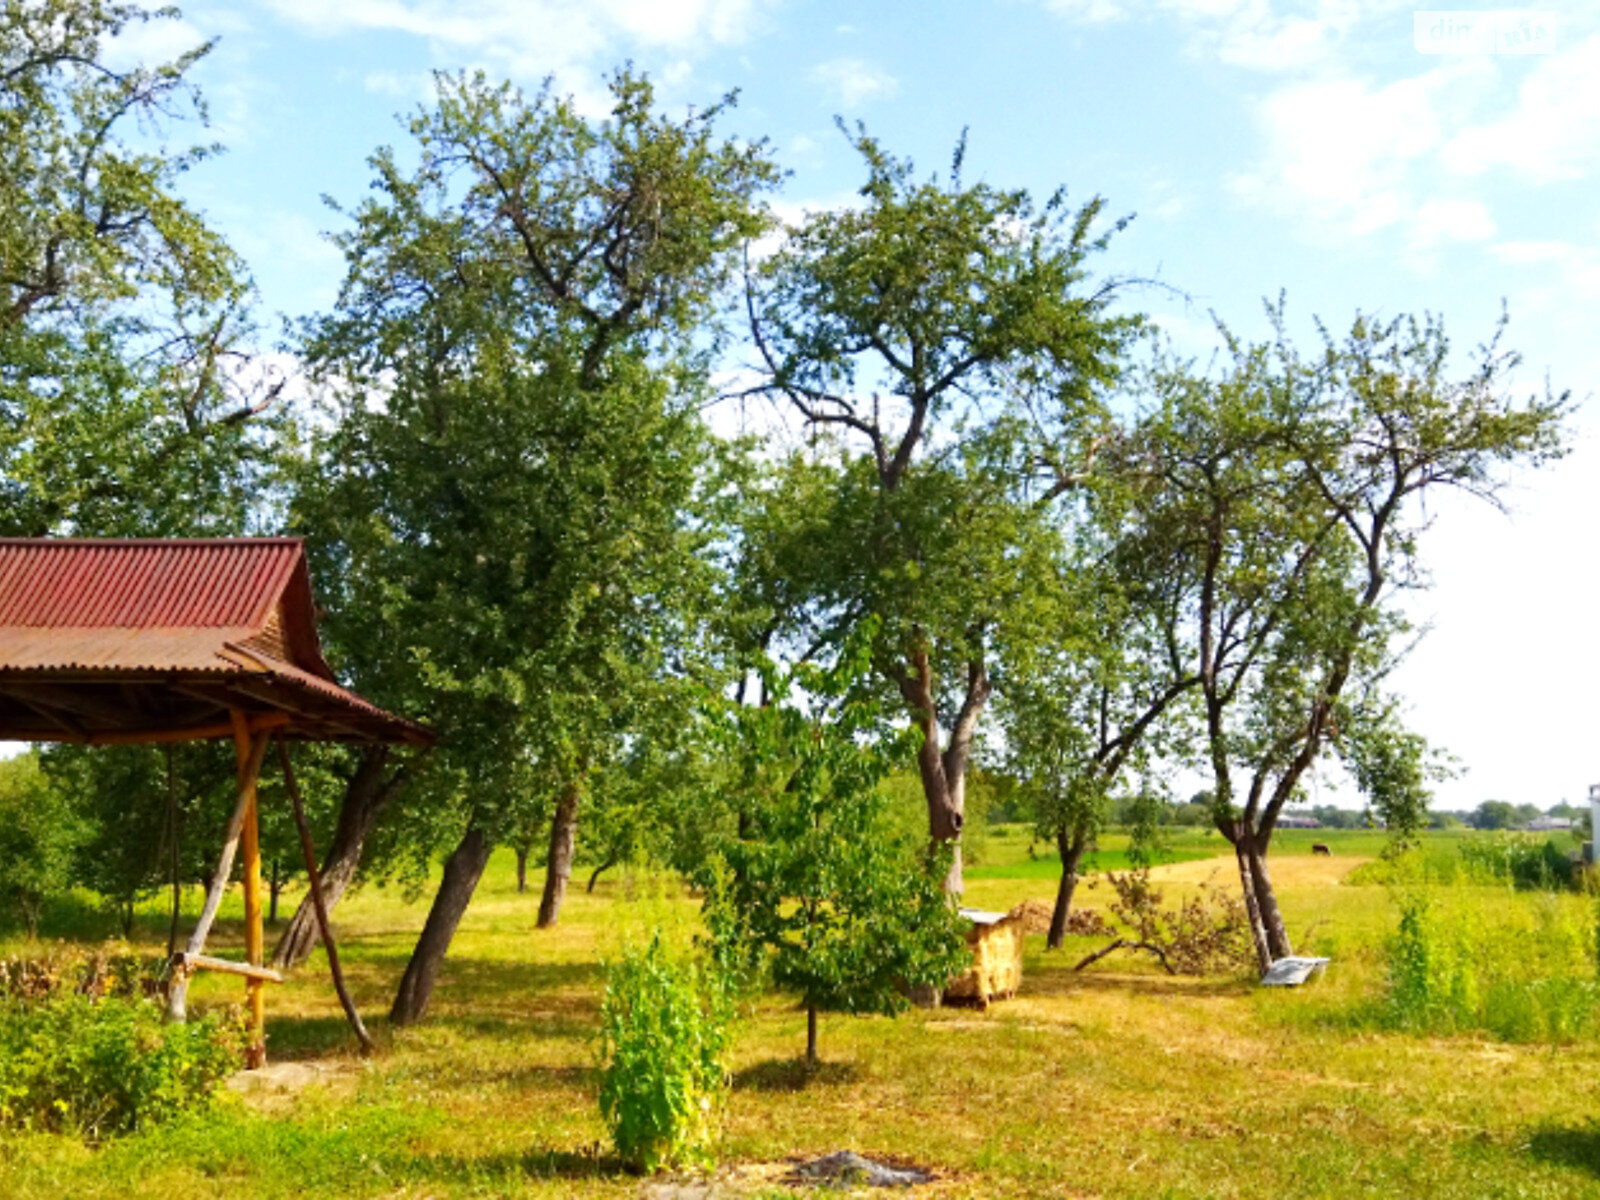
[{"x": 140, "y": 641}]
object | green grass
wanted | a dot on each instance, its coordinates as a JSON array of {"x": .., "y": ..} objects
[
  {"x": 1011, "y": 851},
  {"x": 1114, "y": 1082}
]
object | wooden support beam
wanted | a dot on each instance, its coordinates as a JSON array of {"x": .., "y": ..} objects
[
  {"x": 255, "y": 1054},
  {"x": 204, "y": 962},
  {"x": 71, "y": 728},
  {"x": 318, "y": 905},
  {"x": 258, "y": 724},
  {"x": 178, "y": 987},
  {"x": 65, "y": 699},
  {"x": 280, "y": 697}
]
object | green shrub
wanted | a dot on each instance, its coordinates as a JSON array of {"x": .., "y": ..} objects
[
  {"x": 1528, "y": 861},
  {"x": 663, "y": 1033},
  {"x": 71, "y": 1063}
]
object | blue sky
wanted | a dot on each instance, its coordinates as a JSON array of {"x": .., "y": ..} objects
[{"x": 1263, "y": 145}]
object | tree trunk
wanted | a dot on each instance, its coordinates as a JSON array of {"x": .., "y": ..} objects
[
  {"x": 1071, "y": 852},
  {"x": 1267, "y": 901},
  {"x": 365, "y": 797},
  {"x": 1258, "y": 933},
  {"x": 522, "y": 869},
  {"x": 610, "y": 862},
  {"x": 274, "y": 890},
  {"x": 811, "y": 1036},
  {"x": 462, "y": 870},
  {"x": 558, "y": 864},
  {"x": 944, "y": 771}
]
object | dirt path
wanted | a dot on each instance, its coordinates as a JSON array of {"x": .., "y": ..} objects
[{"x": 1300, "y": 870}]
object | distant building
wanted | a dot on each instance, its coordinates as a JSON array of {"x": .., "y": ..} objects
[
  {"x": 1549, "y": 824},
  {"x": 1299, "y": 823}
]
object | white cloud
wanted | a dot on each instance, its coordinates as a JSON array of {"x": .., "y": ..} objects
[
  {"x": 404, "y": 85},
  {"x": 1553, "y": 133},
  {"x": 1452, "y": 221},
  {"x": 853, "y": 81},
  {"x": 1255, "y": 34},
  {"x": 1577, "y": 267},
  {"x": 151, "y": 43},
  {"x": 1341, "y": 152},
  {"x": 1520, "y": 254},
  {"x": 532, "y": 38}
]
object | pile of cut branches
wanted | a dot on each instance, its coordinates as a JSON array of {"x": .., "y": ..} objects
[{"x": 1206, "y": 933}]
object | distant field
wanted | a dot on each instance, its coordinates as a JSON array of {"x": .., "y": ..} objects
[{"x": 1006, "y": 851}]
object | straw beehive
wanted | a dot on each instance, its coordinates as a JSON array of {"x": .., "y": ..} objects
[{"x": 995, "y": 940}]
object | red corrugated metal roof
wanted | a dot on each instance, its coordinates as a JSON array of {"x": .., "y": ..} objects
[
  {"x": 87, "y": 613},
  {"x": 133, "y": 584}
]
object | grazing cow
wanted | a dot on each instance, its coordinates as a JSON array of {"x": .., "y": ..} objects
[{"x": 1319, "y": 848}]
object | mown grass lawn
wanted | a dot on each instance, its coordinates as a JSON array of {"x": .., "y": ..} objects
[{"x": 1116, "y": 1082}]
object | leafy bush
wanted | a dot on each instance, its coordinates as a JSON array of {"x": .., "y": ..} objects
[
  {"x": 1432, "y": 984},
  {"x": 819, "y": 888},
  {"x": 663, "y": 1033},
  {"x": 1525, "y": 860},
  {"x": 99, "y": 1067}
]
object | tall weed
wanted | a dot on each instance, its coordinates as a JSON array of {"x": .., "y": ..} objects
[
  {"x": 664, "y": 1032},
  {"x": 1521, "y": 972}
]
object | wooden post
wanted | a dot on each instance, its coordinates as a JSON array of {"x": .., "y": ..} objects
[
  {"x": 179, "y": 986},
  {"x": 255, "y": 1054},
  {"x": 317, "y": 903}
]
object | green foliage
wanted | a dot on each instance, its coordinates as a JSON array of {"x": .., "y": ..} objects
[
  {"x": 39, "y": 838},
  {"x": 1452, "y": 968},
  {"x": 664, "y": 1032},
  {"x": 1393, "y": 768},
  {"x": 123, "y": 316},
  {"x": 845, "y": 913},
  {"x": 1524, "y": 860},
  {"x": 98, "y": 1068},
  {"x": 501, "y": 505},
  {"x": 1494, "y": 814},
  {"x": 944, "y": 344},
  {"x": 144, "y": 811}
]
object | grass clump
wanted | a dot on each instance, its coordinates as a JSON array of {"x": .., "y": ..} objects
[{"x": 664, "y": 1030}]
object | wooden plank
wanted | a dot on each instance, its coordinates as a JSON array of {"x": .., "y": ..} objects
[
  {"x": 178, "y": 990},
  {"x": 204, "y": 962}
]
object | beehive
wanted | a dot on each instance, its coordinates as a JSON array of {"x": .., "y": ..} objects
[{"x": 995, "y": 940}]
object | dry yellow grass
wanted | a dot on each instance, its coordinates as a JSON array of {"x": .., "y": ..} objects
[{"x": 1301, "y": 870}]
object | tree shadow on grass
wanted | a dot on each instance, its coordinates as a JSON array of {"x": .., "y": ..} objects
[
  {"x": 297, "y": 1039},
  {"x": 1568, "y": 1146},
  {"x": 792, "y": 1075},
  {"x": 1064, "y": 981},
  {"x": 588, "y": 1162}
]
